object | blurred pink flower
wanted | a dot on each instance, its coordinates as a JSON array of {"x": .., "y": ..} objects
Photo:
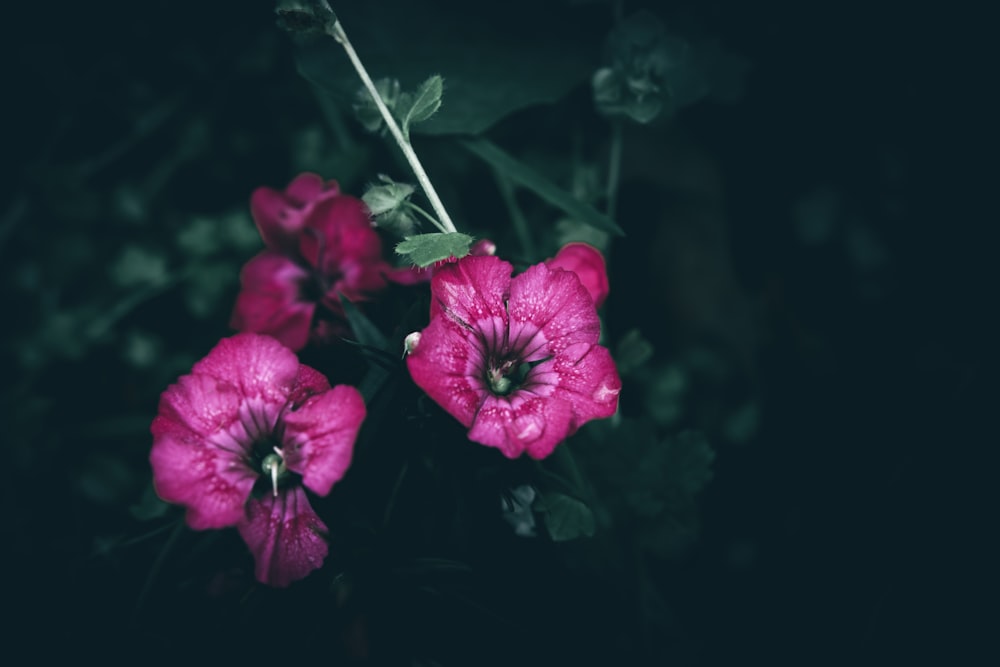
[
  {"x": 514, "y": 360},
  {"x": 237, "y": 439},
  {"x": 319, "y": 243},
  {"x": 588, "y": 264}
]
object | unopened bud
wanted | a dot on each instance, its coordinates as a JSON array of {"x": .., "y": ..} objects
[{"x": 410, "y": 343}]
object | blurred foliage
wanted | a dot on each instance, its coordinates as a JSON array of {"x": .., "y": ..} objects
[{"x": 767, "y": 247}]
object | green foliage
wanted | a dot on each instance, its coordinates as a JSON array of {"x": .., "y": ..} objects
[
  {"x": 491, "y": 73},
  {"x": 421, "y": 105},
  {"x": 364, "y": 330},
  {"x": 648, "y": 482},
  {"x": 149, "y": 506},
  {"x": 305, "y": 16},
  {"x": 386, "y": 197},
  {"x": 527, "y": 177},
  {"x": 425, "y": 249},
  {"x": 365, "y": 109},
  {"x": 566, "y": 518},
  {"x": 651, "y": 72}
]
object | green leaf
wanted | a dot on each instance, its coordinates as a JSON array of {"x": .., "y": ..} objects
[
  {"x": 420, "y": 106},
  {"x": 527, "y": 177},
  {"x": 384, "y": 198},
  {"x": 305, "y": 16},
  {"x": 149, "y": 506},
  {"x": 566, "y": 518},
  {"x": 366, "y": 110},
  {"x": 425, "y": 249},
  {"x": 490, "y": 72},
  {"x": 366, "y": 332}
]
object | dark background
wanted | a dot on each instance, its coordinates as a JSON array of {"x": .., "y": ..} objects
[{"x": 853, "y": 528}]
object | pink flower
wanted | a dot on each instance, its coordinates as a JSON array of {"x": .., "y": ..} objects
[
  {"x": 514, "y": 360},
  {"x": 237, "y": 439},
  {"x": 319, "y": 243},
  {"x": 587, "y": 263}
]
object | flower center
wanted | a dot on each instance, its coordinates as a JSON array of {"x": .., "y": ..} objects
[
  {"x": 267, "y": 458},
  {"x": 504, "y": 377},
  {"x": 273, "y": 465}
]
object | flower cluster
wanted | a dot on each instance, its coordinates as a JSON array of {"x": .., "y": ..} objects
[
  {"x": 320, "y": 244},
  {"x": 239, "y": 439}
]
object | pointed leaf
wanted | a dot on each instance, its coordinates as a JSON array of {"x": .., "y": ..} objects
[
  {"x": 527, "y": 177},
  {"x": 421, "y": 105},
  {"x": 366, "y": 333}
]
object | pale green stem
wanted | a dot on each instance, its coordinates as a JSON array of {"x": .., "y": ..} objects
[
  {"x": 430, "y": 218},
  {"x": 337, "y": 32}
]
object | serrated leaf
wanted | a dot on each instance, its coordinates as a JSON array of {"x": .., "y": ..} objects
[
  {"x": 527, "y": 177},
  {"x": 425, "y": 249},
  {"x": 421, "y": 105},
  {"x": 566, "y": 518},
  {"x": 490, "y": 73}
]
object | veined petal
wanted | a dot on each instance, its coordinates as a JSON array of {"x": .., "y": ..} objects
[
  {"x": 196, "y": 460},
  {"x": 319, "y": 436},
  {"x": 471, "y": 289},
  {"x": 259, "y": 366},
  {"x": 553, "y": 302},
  {"x": 449, "y": 364},
  {"x": 285, "y": 536},
  {"x": 586, "y": 377},
  {"x": 522, "y": 423}
]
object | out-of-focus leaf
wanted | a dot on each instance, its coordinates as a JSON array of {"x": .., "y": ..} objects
[
  {"x": 566, "y": 518},
  {"x": 149, "y": 506},
  {"x": 489, "y": 55},
  {"x": 365, "y": 331},
  {"x": 525, "y": 176}
]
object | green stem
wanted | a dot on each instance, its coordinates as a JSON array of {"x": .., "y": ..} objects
[
  {"x": 516, "y": 215},
  {"x": 154, "y": 571},
  {"x": 430, "y": 218},
  {"x": 337, "y": 32}
]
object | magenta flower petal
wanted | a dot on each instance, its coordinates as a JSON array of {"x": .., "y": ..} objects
[
  {"x": 258, "y": 366},
  {"x": 448, "y": 364},
  {"x": 250, "y": 410},
  {"x": 472, "y": 289},
  {"x": 197, "y": 462},
  {"x": 285, "y": 536},
  {"x": 514, "y": 360},
  {"x": 522, "y": 423},
  {"x": 588, "y": 264},
  {"x": 270, "y": 300},
  {"x": 550, "y": 310},
  {"x": 340, "y": 243},
  {"x": 280, "y": 216},
  {"x": 319, "y": 437}
]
